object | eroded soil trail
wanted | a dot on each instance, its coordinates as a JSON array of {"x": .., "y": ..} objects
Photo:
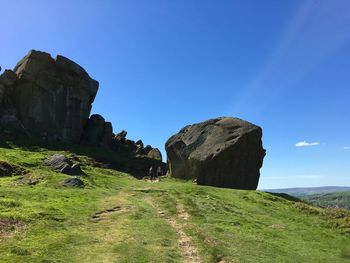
[
  {"x": 188, "y": 250},
  {"x": 98, "y": 216}
]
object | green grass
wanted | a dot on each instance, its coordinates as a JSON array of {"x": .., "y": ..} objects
[{"x": 48, "y": 222}]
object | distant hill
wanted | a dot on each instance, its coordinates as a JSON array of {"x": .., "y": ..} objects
[
  {"x": 335, "y": 199},
  {"x": 301, "y": 191},
  {"x": 327, "y": 196}
]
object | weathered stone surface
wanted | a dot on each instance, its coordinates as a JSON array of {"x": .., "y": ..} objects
[
  {"x": 75, "y": 169},
  {"x": 155, "y": 154},
  {"x": 29, "y": 179},
  {"x": 63, "y": 164},
  {"x": 8, "y": 114},
  {"x": 224, "y": 152},
  {"x": 97, "y": 131},
  {"x": 121, "y": 136},
  {"x": 52, "y": 97},
  {"x": 139, "y": 144},
  {"x": 7, "y": 169},
  {"x": 93, "y": 130},
  {"x": 75, "y": 182},
  {"x": 107, "y": 134},
  {"x": 147, "y": 149},
  {"x": 7, "y": 79}
]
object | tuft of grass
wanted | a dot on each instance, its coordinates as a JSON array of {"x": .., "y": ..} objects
[
  {"x": 345, "y": 252},
  {"x": 20, "y": 251},
  {"x": 9, "y": 203},
  {"x": 335, "y": 218}
]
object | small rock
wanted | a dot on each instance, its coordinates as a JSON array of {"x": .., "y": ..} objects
[
  {"x": 58, "y": 161},
  {"x": 29, "y": 179},
  {"x": 7, "y": 169},
  {"x": 63, "y": 164},
  {"x": 66, "y": 169},
  {"x": 76, "y": 169},
  {"x": 76, "y": 182}
]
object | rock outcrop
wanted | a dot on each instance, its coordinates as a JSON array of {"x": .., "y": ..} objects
[
  {"x": 155, "y": 154},
  {"x": 8, "y": 116},
  {"x": 224, "y": 152},
  {"x": 7, "y": 169},
  {"x": 97, "y": 132},
  {"x": 121, "y": 143},
  {"x": 121, "y": 136},
  {"x": 51, "y": 97},
  {"x": 62, "y": 164},
  {"x": 73, "y": 182}
]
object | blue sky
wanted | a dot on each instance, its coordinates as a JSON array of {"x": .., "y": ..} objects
[{"x": 163, "y": 64}]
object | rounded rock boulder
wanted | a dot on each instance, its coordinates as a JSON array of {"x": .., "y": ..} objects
[{"x": 223, "y": 152}]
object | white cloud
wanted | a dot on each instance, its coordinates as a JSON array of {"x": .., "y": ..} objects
[
  {"x": 304, "y": 144},
  {"x": 347, "y": 148}
]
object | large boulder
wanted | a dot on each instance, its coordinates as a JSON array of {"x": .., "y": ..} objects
[
  {"x": 97, "y": 132},
  {"x": 155, "y": 154},
  {"x": 49, "y": 96},
  {"x": 7, "y": 79},
  {"x": 224, "y": 152}
]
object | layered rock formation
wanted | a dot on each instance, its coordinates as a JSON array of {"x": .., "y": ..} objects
[
  {"x": 224, "y": 152},
  {"x": 61, "y": 163},
  {"x": 97, "y": 132},
  {"x": 8, "y": 114},
  {"x": 53, "y": 98}
]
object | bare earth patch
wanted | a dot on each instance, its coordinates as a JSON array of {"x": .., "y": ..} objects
[
  {"x": 278, "y": 226},
  {"x": 9, "y": 227},
  {"x": 188, "y": 250},
  {"x": 148, "y": 180},
  {"x": 102, "y": 214}
]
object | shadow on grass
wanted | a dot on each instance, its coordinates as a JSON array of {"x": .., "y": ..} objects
[
  {"x": 118, "y": 159},
  {"x": 287, "y": 197}
]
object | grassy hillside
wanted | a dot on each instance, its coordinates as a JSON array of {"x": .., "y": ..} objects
[
  {"x": 117, "y": 218},
  {"x": 337, "y": 200}
]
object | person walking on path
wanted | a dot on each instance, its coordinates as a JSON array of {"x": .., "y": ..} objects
[
  {"x": 159, "y": 171},
  {"x": 151, "y": 172}
]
